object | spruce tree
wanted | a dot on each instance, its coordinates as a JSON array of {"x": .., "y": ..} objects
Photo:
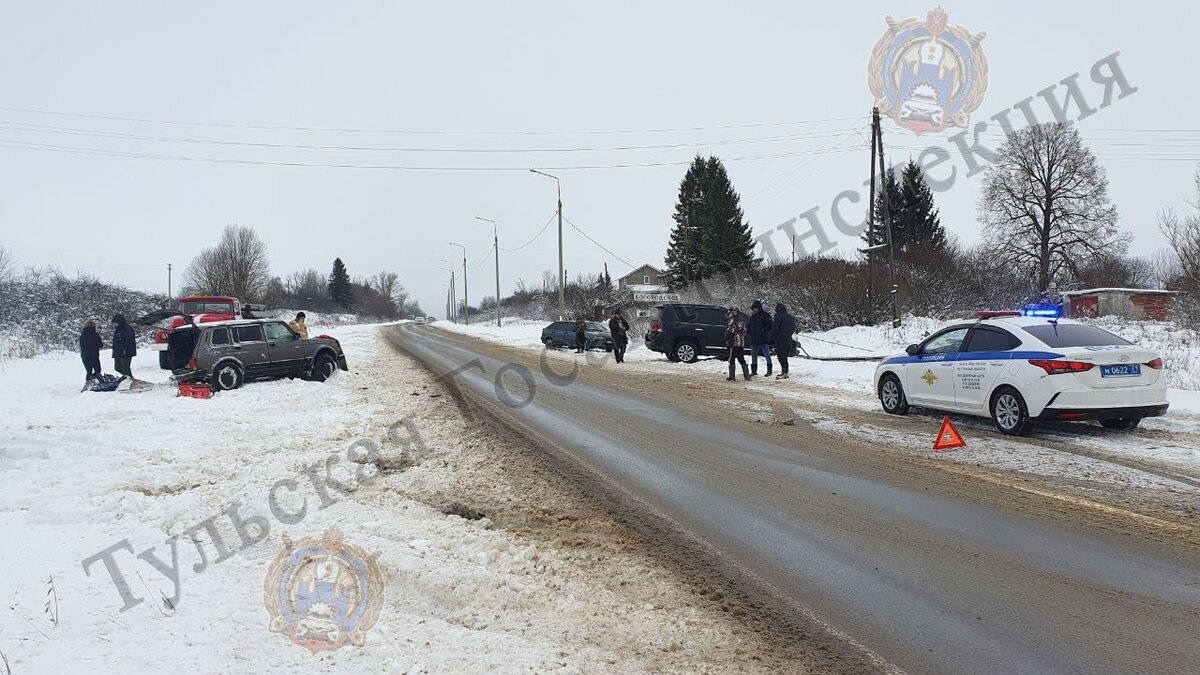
[
  {"x": 895, "y": 207},
  {"x": 710, "y": 234},
  {"x": 339, "y": 285},
  {"x": 922, "y": 228}
]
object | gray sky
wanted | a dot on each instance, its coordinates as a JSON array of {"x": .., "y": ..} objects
[{"x": 507, "y": 67}]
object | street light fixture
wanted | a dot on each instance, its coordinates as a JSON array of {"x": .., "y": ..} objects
[
  {"x": 496, "y": 248},
  {"x": 466, "y": 297},
  {"x": 561, "y": 276}
]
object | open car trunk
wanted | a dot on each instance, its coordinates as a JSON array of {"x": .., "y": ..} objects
[{"x": 181, "y": 345}]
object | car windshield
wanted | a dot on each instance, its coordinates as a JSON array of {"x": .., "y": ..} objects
[
  {"x": 592, "y": 325},
  {"x": 1074, "y": 335},
  {"x": 203, "y": 307}
]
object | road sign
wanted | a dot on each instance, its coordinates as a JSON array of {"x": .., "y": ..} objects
[
  {"x": 948, "y": 437},
  {"x": 655, "y": 297}
]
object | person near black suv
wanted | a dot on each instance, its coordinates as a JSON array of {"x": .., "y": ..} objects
[{"x": 685, "y": 332}]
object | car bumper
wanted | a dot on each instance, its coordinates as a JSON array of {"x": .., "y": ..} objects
[
  {"x": 653, "y": 342},
  {"x": 158, "y": 346},
  {"x": 1120, "y": 412},
  {"x": 188, "y": 375},
  {"x": 341, "y": 362}
]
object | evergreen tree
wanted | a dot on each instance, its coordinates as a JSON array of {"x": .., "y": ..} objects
[
  {"x": 895, "y": 207},
  {"x": 920, "y": 226},
  {"x": 339, "y": 285},
  {"x": 710, "y": 235}
]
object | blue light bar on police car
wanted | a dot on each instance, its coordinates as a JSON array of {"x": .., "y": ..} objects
[{"x": 1048, "y": 311}]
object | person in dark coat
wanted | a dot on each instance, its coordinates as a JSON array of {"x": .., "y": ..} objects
[
  {"x": 782, "y": 329},
  {"x": 735, "y": 342},
  {"x": 90, "y": 345},
  {"x": 618, "y": 328},
  {"x": 124, "y": 346},
  {"x": 758, "y": 331},
  {"x": 580, "y": 336}
]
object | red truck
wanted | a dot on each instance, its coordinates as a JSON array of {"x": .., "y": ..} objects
[{"x": 201, "y": 309}]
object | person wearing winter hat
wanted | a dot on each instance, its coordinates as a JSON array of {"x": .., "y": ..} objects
[
  {"x": 735, "y": 342},
  {"x": 782, "y": 329},
  {"x": 298, "y": 326},
  {"x": 758, "y": 331},
  {"x": 124, "y": 346}
]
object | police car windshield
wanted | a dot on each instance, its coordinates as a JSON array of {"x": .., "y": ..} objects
[{"x": 1074, "y": 335}]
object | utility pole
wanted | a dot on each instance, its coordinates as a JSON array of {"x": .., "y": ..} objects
[
  {"x": 887, "y": 222},
  {"x": 871, "y": 226},
  {"x": 453, "y": 314},
  {"x": 168, "y": 281},
  {"x": 496, "y": 248},
  {"x": 466, "y": 301},
  {"x": 562, "y": 274}
]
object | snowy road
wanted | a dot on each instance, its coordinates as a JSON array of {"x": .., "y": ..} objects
[{"x": 926, "y": 568}]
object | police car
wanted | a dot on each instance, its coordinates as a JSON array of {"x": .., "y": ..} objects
[{"x": 1020, "y": 369}]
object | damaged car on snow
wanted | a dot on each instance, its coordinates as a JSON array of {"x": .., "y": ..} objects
[{"x": 227, "y": 354}]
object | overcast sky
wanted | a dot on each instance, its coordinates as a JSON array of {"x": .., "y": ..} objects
[{"x": 789, "y": 77}]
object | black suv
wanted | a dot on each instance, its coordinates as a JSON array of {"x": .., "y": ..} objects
[{"x": 687, "y": 332}]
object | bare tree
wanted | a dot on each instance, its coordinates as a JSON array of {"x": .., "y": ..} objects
[
  {"x": 1183, "y": 234},
  {"x": 308, "y": 284},
  {"x": 1045, "y": 205},
  {"x": 7, "y": 263},
  {"x": 237, "y": 265}
]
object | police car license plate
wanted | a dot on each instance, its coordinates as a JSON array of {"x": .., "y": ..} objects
[{"x": 1121, "y": 371}]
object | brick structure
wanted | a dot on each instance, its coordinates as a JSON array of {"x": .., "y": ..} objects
[{"x": 1130, "y": 303}]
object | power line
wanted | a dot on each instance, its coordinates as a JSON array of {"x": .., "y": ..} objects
[
  {"x": 535, "y": 237},
  {"x": 98, "y": 133},
  {"x": 585, "y": 235},
  {"x": 30, "y": 145},
  {"x": 485, "y": 258},
  {"x": 269, "y": 127}
]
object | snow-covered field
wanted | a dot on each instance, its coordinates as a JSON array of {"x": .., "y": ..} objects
[{"x": 134, "y": 471}]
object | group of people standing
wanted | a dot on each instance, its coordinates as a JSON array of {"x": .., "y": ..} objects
[
  {"x": 618, "y": 328},
  {"x": 760, "y": 331},
  {"x": 124, "y": 348}
]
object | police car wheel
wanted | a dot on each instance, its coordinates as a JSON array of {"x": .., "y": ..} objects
[
  {"x": 1121, "y": 424},
  {"x": 1009, "y": 412},
  {"x": 891, "y": 396}
]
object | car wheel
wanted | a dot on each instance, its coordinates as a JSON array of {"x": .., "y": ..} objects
[
  {"x": 686, "y": 352},
  {"x": 548, "y": 343},
  {"x": 1009, "y": 412},
  {"x": 1121, "y": 424},
  {"x": 227, "y": 376},
  {"x": 891, "y": 396},
  {"x": 323, "y": 367}
]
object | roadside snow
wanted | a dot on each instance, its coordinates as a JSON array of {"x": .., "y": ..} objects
[{"x": 82, "y": 472}]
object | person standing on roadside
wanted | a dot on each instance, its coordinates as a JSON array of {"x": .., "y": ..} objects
[
  {"x": 735, "y": 342},
  {"x": 782, "y": 330},
  {"x": 90, "y": 345},
  {"x": 580, "y": 336},
  {"x": 618, "y": 328},
  {"x": 124, "y": 346},
  {"x": 298, "y": 326},
  {"x": 758, "y": 330}
]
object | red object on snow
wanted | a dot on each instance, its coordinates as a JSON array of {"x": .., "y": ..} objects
[
  {"x": 195, "y": 390},
  {"x": 948, "y": 437}
]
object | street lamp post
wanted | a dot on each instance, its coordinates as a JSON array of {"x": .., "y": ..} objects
[
  {"x": 466, "y": 296},
  {"x": 496, "y": 250},
  {"x": 561, "y": 275},
  {"x": 453, "y": 315}
]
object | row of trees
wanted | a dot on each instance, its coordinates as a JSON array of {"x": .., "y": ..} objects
[{"x": 239, "y": 265}]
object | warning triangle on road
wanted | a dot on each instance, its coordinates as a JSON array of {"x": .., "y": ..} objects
[{"x": 948, "y": 438}]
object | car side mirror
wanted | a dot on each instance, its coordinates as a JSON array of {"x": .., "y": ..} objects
[{"x": 912, "y": 350}]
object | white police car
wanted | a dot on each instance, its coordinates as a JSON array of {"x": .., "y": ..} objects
[{"x": 1021, "y": 369}]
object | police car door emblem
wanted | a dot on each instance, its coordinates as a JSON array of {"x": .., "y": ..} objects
[
  {"x": 323, "y": 592},
  {"x": 929, "y": 377},
  {"x": 928, "y": 75}
]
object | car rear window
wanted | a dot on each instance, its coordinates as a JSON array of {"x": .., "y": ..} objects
[
  {"x": 990, "y": 340},
  {"x": 220, "y": 336},
  {"x": 1074, "y": 335},
  {"x": 248, "y": 333}
]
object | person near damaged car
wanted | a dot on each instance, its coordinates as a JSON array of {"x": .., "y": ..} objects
[
  {"x": 618, "y": 328},
  {"x": 298, "y": 326},
  {"x": 90, "y": 345},
  {"x": 124, "y": 346},
  {"x": 758, "y": 332}
]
